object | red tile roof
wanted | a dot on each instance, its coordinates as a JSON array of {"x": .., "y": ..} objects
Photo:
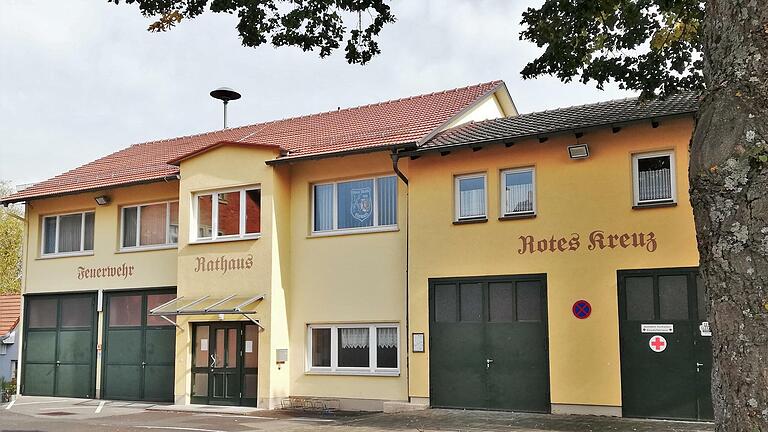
[
  {"x": 367, "y": 127},
  {"x": 10, "y": 309}
]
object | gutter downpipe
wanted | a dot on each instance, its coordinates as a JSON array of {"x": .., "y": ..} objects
[{"x": 395, "y": 159}]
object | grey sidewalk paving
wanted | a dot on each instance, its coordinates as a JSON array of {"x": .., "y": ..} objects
[
  {"x": 76, "y": 415},
  {"x": 492, "y": 421}
]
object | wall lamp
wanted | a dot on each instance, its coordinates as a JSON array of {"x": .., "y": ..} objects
[
  {"x": 578, "y": 151},
  {"x": 103, "y": 200}
]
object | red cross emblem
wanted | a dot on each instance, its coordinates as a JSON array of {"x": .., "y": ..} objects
[{"x": 657, "y": 344}]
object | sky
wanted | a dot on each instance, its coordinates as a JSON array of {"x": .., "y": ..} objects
[{"x": 80, "y": 79}]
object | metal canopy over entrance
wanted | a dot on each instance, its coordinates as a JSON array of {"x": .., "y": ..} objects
[{"x": 208, "y": 305}]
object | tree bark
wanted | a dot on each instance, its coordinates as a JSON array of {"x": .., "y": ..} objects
[{"x": 729, "y": 193}]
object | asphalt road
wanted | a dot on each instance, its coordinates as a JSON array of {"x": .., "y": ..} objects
[{"x": 77, "y": 415}]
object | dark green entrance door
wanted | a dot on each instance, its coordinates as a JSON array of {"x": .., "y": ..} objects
[
  {"x": 139, "y": 350},
  {"x": 59, "y": 346},
  {"x": 666, "y": 358},
  {"x": 225, "y": 366},
  {"x": 488, "y": 343}
]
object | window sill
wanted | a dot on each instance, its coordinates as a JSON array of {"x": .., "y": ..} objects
[
  {"x": 146, "y": 248},
  {"x": 518, "y": 216},
  {"x": 227, "y": 239},
  {"x": 354, "y": 231},
  {"x": 353, "y": 373},
  {"x": 470, "y": 221},
  {"x": 654, "y": 205},
  {"x": 65, "y": 255}
]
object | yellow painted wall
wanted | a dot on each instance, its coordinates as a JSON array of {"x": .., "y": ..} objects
[
  {"x": 572, "y": 197},
  {"x": 227, "y": 167},
  {"x": 355, "y": 278},
  {"x": 152, "y": 268}
]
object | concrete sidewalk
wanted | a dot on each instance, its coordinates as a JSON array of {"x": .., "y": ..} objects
[{"x": 493, "y": 421}]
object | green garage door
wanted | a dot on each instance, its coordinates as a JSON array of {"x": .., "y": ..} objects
[
  {"x": 488, "y": 343},
  {"x": 139, "y": 350},
  {"x": 59, "y": 346},
  {"x": 666, "y": 348}
]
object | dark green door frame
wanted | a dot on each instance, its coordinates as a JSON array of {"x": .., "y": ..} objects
[
  {"x": 235, "y": 371},
  {"x": 138, "y": 360},
  {"x": 62, "y": 360},
  {"x": 674, "y": 383},
  {"x": 495, "y": 357}
]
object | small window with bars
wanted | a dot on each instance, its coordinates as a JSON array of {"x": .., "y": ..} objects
[
  {"x": 470, "y": 197},
  {"x": 518, "y": 192},
  {"x": 654, "y": 178}
]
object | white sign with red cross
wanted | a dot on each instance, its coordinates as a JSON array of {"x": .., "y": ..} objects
[{"x": 657, "y": 343}]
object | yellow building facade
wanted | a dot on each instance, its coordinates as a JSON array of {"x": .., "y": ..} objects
[{"x": 251, "y": 271}]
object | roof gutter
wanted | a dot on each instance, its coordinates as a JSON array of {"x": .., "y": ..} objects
[
  {"x": 87, "y": 190},
  {"x": 319, "y": 156}
]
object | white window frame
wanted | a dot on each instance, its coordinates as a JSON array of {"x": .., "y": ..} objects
[
  {"x": 56, "y": 252},
  {"x": 166, "y": 245},
  {"x": 335, "y": 369},
  {"x": 336, "y": 230},
  {"x": 503, "y": 189},
  {"x": 457, "y": 196},
  {"x": 215, "y": 237},
  {"x": 636, "y": 178}
]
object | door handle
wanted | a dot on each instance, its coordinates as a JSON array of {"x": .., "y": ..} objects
[
  {"x": 143, "y": 364},
  {"x": 698, "y": 366},
  {"x": 488, "y": 363},
  {"x": 213, "y": 361},
  {"x": 58, "y": 363}
]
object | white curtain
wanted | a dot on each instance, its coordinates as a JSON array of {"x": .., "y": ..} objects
[
  {"x": 655, "y": 184},
  {"x": 519, "y": 198},
  {"x": 353, "y": 337},
  {"x": 472, "y": 203},
  {"x": 323, "y": 207},
  {"x": 70, "y": 227},
  {"x": 387, "y": 200},
  {"x": 386, "y": 337}
]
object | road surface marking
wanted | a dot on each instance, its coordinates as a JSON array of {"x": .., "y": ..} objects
[
  {"x": 180, "y": 428},
  {"x": 310, "y": 419},
  {"x": 10, "y": 404},
  {"x": 100, "y": 407},
  {"x": 45, "y": 402}
]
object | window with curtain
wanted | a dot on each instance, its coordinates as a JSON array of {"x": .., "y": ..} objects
[
  {"x": 654, "y": 178},
  {"x": 68, "y": 233},
  {"x": 518, "y": 192},
  {"x": 155, "y": 224},
  {"x": 355, "y": 204},
  {"x": 227, "y": 214},
  {"x": 354, "y": 349},
  {"x": 470, "y": 197}
]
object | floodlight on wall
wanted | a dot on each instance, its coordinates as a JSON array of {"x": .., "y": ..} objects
[
  {"x": 578, "y": 151},
  {"x": 103, "y": 200},
  {"x": 225, "y": 94}
]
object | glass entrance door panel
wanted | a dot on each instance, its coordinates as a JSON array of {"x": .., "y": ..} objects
[{"x": 225, "y": 374}]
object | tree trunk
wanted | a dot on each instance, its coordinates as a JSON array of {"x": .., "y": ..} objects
[{"x": 729, "y": 193}]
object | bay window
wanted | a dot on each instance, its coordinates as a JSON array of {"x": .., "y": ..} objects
[
  {"x": 470, "y": 197},
  {"x": 369, "y": 203},
  {"x": 227, "y": 215},
  {"x": 354, "y": 349},
  {"x": 518, "y": 193},
  {"x": 653, "y": 178},
  {"x": 150, "y": 225},
  {"x": 68, "y": 233}
]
